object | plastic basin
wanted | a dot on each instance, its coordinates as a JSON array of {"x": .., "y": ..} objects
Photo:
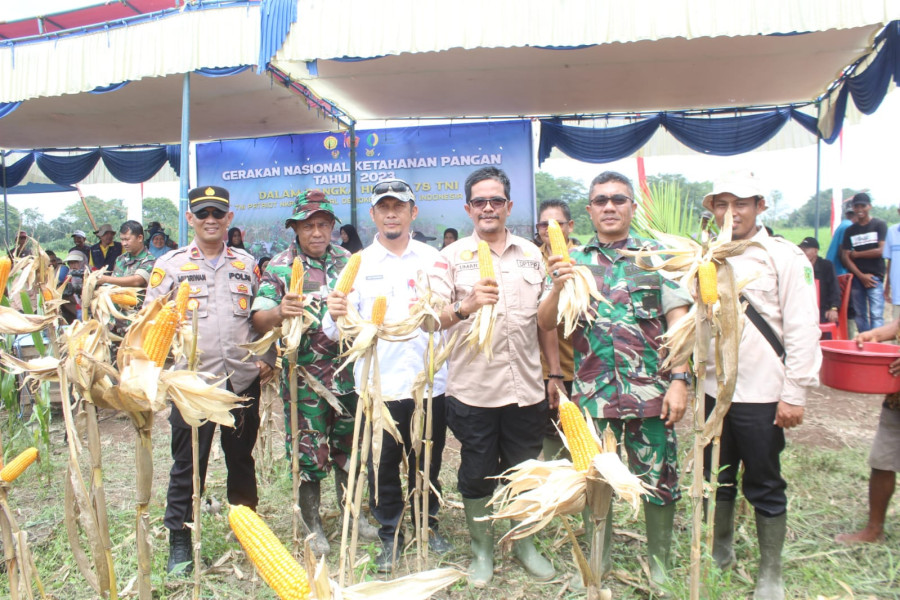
[{"x": 865, "y": 371}]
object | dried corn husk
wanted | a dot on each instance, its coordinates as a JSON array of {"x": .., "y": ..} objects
[
  {"x": 16, "y": 323},
  {"x": 575, "y": 299},
  {"x": 43, "y": 368},
  {"x": 104, "y": 309},
  {"x": 199, "y": 401}
]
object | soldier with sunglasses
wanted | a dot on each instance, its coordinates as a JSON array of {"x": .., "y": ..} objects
[
  {"x": 223, "y": 281},
  {"x": 617, "y": 358}
]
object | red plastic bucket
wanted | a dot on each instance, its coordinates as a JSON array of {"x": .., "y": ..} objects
[{"x": 865, "y": 371}]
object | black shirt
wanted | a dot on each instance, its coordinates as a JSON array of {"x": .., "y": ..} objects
[
  {"x": 866, "y": 237},
  {"x": 829, "y": 290}
]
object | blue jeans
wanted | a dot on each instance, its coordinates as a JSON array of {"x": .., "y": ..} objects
[{"x": 868, "y": 304}]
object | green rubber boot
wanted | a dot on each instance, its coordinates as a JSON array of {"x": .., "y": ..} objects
[
  {"x": 539, "y": 567},
  {"x": 723, "y": 534},
  {"x": 659, "y": 521},
  {"x": 482, "y": 533},
  {"x": 770, "y": 533}
]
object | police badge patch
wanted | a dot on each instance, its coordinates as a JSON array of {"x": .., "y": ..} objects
[{"x": 156, "y": 277}]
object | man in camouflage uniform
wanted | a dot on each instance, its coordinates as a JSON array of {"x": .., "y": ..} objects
[
  {"x": 327, "y": 435},
  {"x": 132, "y": 268},
  {"x": 617, "y": 376}
]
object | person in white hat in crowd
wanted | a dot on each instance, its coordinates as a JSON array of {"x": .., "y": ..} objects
[
  {"x": 78, "y": 239},
  {"x": 75, "y": 262},
  {"x": 104, "y": 253},
  {"x": 779, "y": 363}
]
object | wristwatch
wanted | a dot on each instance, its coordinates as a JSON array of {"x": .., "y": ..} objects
[
  {"x": 685, "y": 377},
  {"x": 458, "y": 312}
]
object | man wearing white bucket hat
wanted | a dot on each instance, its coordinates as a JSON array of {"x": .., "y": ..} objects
[{"x": 779, "y": 361}]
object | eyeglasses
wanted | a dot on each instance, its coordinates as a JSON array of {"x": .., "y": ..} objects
[
  {"x": 496, "y": 202},
  {"x": 204, "y": 213},
  {"x": 394, "y": 185},
  {"x": 618, "y": 200},
  {"x": 542, "y": 225}
]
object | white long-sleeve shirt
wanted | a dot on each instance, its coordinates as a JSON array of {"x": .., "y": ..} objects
[
  {"x": 383, "y": 273},
  {"x": 783, "y": 291}
]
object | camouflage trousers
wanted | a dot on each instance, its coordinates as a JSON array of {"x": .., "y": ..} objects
[
  {"x": 326, "y": 437},
  {"x": 652, "y": 454}
]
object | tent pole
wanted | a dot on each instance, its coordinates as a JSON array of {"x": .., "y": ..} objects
[
  {"x": 818, "y": 167},
  {"x": 353, "y": 174},
  {"x": 5, "y": 201},
  {"x": 185, "y": 151}
]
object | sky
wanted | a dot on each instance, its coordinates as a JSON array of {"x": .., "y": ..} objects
[{"x": 867, "y": 159}]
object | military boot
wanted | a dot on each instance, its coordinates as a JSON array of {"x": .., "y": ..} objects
[
  {"x": 533, "y": 561},
  {"x": 367, "y": 531},
  {"x": 723, "y": 534},
  {"x": 770, "y": 533},
  {"x": 660, "y": 521},
  {"x": 310, "y": 497},
  {"x": 180, "y": 552},
  {"x": 482, "y": 533}
]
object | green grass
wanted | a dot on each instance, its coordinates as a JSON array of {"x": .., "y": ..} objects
[{"x": 827, "y": 495}]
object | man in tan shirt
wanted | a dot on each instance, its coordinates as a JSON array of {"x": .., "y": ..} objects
[{"x": 495, "y": 408}]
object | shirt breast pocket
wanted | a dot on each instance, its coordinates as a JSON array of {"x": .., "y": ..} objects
[
  {"x": 533, "y": 288},
  {"x": 241, "y": 298},
  {"x": 646, "y": 296},
  {"x": 198, "y": 301}
]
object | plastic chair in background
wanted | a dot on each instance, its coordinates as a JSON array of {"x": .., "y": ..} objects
[
  {"x": 844, "y": 282},
  {"x": 830, "y": 328}
]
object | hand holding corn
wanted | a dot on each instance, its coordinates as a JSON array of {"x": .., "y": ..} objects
[
  {"x": 484, "y": 292},
  {"x": 337, "y": 304},
  {"x": 291, "y": 306},
  {"x": 560, "y": 270}
]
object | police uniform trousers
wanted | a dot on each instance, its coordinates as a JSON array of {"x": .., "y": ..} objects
[
  {"x": 237, "y": 445},
  {"x": 749, "y": 435},
  {"x": 492, "y": 440},
  {"x": 389, "y": 509}
]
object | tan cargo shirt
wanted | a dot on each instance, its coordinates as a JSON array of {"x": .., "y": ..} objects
[
  {"x": 513, "y": 376},
  {"x": 221, "y": 294}
]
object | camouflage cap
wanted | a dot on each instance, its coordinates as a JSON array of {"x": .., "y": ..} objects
[{"x": 309, "y": 202}]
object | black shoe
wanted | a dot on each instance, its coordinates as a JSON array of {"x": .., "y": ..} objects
[
  {"x": 438, "y": 543},
  {"x": 181, "y": 560},
  {"x": 385, "y": 557}
]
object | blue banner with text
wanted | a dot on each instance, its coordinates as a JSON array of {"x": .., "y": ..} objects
[{"x": 264, "y": 175}]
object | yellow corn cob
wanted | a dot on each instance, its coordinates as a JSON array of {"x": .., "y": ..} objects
[
  {"x": 297, "y": 276},
  {"x": 348, "y": 275},
  {"x": 46, "y": 294},
  {"x": 5, "y": 268},
  {"x": 582, "y": 446},
  {"x": 158, "y": 340},
  {"x": 485, "y": 262},
  {"x": 378, "y": 310},
  {"x": 124, "y": 298},
  {"x": 706, "y": 274},
  {"x": 276, "y": 565},
  {"x": 18, "y": 465},
  {"x": 181, "y": 299},
  {"x": 558, "y": 245}
]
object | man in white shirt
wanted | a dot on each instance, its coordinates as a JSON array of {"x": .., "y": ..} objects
[{"x": 390, "y": 267}]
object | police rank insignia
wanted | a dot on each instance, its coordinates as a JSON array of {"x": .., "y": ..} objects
[
  {"x": 466, "y": 255},
  {"x": 190, "y": 267},
  {"x": 242, "y": 288},
  {"x": 242, "y": 303},
  {"x": 238, "y": 265},
  {"x": 156, "y": 276}
]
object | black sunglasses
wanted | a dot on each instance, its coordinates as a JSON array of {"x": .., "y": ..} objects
[
  {"x": 497, "y": 202},
  {"x": 618, "y": 200},
  {"x": 204, "y": 213},
  {"x": 394, "y": 185}
]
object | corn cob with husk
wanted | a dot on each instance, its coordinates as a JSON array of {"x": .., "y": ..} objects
[
  {"x": 582, "y": 446},
  {"x": 579, "y": 291},
  {"x": 293, "y": 327},
  {"x": 481, "y": 332},
  {"x": 110, "y": 302},
  {"x": 17, "y": 466},
  {"x": 158, "y": 341},
  {"x": 5, "y": 268}
]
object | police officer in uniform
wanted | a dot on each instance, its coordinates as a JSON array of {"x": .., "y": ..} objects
[{"x": 223, "y": 282}]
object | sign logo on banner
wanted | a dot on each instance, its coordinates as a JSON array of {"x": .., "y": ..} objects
[{"x": 264, "y": 175}]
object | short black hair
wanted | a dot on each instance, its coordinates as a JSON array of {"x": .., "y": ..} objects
[
  {"x": 486, "y": 173},
  {"x": 607, "y": 176},
  {"x": 132, "y": 227},
  {"x": 556, "y": 203},
  {"x": 453, "y": 231}
]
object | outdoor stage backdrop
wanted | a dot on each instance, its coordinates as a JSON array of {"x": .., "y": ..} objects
[{"x": 264, "y": 175}]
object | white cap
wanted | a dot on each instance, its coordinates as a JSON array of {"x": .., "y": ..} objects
[
  {"x": 742, "y": 184},
  {"x": 79, "y": 233}
]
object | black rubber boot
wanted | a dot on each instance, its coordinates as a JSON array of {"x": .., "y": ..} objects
[
  {"x": 310, "y": 497},
  {"x": 181, "y": 560},
  {"x": 723, "y": 534},
  {"x": 367, "y": 531},
  {"x": 770, "y": 533},
  {"x": 385, "y": 558}
]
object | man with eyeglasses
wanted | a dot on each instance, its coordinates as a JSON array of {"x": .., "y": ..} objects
[
  {"x": 326, "y": 433},
  {"x": 617, "y": 357},
  {"x": 223, "y": 281},
  {"x": 495, "y": 408},
  {"x": 557, "y": 210},
  {"x": 390, "y": 267}
]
